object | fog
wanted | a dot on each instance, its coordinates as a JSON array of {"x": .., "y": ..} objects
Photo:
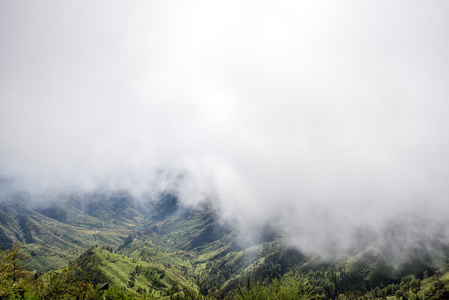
[{"x": 324, "y": 118}]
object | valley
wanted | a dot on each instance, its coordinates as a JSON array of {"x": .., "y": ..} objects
[{"x": 162, "y": 249}]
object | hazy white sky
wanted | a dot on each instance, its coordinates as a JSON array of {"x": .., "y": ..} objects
[{"x": 301, "y": 104}]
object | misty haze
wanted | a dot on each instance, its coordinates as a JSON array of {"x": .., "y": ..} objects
[{"x": 182, "y": 150}]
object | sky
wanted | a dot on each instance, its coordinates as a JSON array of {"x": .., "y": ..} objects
[{"x": 304, "y": 112}]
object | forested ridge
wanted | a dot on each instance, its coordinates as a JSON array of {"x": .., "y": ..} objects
[
  {"x": 166, "y": 251},
  {"x": 82, "y": 278}
]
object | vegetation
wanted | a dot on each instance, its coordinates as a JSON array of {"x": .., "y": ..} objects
[
  {"x": 14, "y": 278},
  {"x": 132, "y": 278},
  {"x": 287, "y": 289},
  {"x": 170, "y": 252},
  {"x": 56, "y": 233}
]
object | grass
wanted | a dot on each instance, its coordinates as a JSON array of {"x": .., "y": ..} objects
[
  {"x": 157, "y": 276},
  {"x": 173, "y": 247}
]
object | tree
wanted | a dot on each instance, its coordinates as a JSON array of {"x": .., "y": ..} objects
[
  {"x": 14, "y": 274},
  {"x": 67, "y": 284},
  {"x": 288, "y": 289},
  {"x": 437, "y": 291}
]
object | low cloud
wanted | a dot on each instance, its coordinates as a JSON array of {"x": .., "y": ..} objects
[{"x": 323, "y": 120}]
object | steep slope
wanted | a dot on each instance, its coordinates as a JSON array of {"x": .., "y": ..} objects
[
  {"x": 163, "y": 274},
  {"x": 182, "y": 227},
  {"x": 58, "y": 230},
  {"x": 222, "y": 259},
  {"x": 164, "y": 248},
  {"x": 216, "y": 256}
]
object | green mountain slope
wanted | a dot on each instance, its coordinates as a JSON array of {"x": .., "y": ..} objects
[
  {"x": 162, "y": 274},
  {"x": 165, "y": 249},
  {"x": 59, "y": 231}
]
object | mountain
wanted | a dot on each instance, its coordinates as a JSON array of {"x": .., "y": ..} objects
[
  {"x": 163, "y": 248},
  {"x": 58, "y": 229}
]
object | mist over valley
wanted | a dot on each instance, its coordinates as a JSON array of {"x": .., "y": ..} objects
[{"x": 199, "y": 149}]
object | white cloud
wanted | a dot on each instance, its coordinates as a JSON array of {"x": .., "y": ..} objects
[{"x": 304, "y": 105}]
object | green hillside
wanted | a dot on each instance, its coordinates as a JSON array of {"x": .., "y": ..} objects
[
  {"x": 163, "y": 274},
  {"x": 60, "y": 231},
  {"x": 161, "y": 249}
]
